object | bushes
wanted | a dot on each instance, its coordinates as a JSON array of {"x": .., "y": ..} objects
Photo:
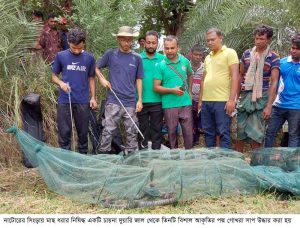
[{"x": 21, "y": 72}]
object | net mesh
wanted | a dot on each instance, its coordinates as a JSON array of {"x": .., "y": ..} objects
[{"x": 151, "y": 177}]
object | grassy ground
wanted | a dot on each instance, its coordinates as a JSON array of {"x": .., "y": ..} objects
[{"x": 24, "y": 191}]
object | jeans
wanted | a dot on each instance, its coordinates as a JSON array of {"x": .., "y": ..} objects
[
  {"x": 278, "y": 117},
  {"x": 215, "y": 120},
  {"x": 150, "y": 123}
]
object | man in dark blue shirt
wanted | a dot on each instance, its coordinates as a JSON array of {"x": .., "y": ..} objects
[
  {"x": 63, "y": 33},
  {"x": 125, "y": 79},
  {"x": 78, "y": 80}
]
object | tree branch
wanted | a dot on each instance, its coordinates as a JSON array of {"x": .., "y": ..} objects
[{"x": 163, "y": 15}]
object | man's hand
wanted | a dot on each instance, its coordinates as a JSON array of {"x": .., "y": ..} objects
[
  {"x": 106, "y": 84},
  {"x": 139, "y": 106},
  {"x": 229, "y": 107},
  {"x": 93, "y": 103},
  {"x": 199, "y": 106},
  {"x": 178, "y": 91},
  {"x": 267, "y": 112},
  {"x": 65, "y": 87}
]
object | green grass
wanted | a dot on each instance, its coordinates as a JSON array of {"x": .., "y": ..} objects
[{"x": 24, "y": 191}]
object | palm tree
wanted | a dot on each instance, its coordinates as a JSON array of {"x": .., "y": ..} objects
[
  {"x": 236, "y": 19},
  {"x": 101, "y": 18},
  {"x": 16, "y": 35}
]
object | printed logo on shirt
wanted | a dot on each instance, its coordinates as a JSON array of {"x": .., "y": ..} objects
[
  {"x": 130, "y": 64},
  {"x": 76, "y": 68},
  {"x": 74, "y": 63},
  {"x": 183, "y": 68}
]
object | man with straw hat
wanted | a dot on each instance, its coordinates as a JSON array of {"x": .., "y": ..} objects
[{"x": 125, "y": 85}]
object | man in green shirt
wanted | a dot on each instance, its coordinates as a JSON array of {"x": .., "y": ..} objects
[
  {"x": 150, "y": 118},
  {"x": 173, "y": 79},
  {"x": 141, "y": 41}
]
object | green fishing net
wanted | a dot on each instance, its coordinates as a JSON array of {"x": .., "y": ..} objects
[{"x": 151, "y": 177}]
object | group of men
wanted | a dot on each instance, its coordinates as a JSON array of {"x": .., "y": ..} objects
[
  {"x": 52, "y": 36},
  {"x": 143, "y": 89}
]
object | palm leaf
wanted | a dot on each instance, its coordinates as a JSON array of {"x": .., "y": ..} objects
[
  {"x": 17, "y": 35},
  {"x": 105, "y": 17},
  {"x": 237, "y": 20}
]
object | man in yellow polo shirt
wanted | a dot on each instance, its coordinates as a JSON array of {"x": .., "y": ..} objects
[{"x": 217, "y": 96}]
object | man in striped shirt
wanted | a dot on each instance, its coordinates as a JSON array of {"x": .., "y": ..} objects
[{"x": 259, "y": 72}]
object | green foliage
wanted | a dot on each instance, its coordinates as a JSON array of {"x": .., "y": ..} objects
[
  {"x": 45, "y": 6},
  {"x": 21, "y": 71},
  {"x": 16, "y": 35},
  {"x": 165, "y": 16},
  {"x": 35, "y": 79},
  {"x": 21, "y": 74},
  {"x": 238, "y": 20},
  {"x": 217, "y": 13},
  {"x": 101, "y": 18},
  {"x": 284, "y": 17}
]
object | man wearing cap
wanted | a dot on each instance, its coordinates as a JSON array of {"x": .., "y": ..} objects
[
  {"x": 150, "y": 118},
  {"x": 173, "y": 79},
  {"x": 125, "y": 83}
]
